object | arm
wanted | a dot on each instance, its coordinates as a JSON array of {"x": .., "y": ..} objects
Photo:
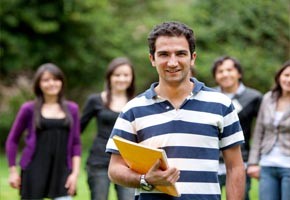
[
  {"x": 235, "y": 182},
  {"x": 258, "y": 135},
  {"x": 253, "y": 169},
  {"x": 76, "y": 143},
  {"x": 88, "y": 111},
  {"x": 71, "y": 182},
  {"x": 19, "y": 125},
  {"x": 121, "y": 174}
]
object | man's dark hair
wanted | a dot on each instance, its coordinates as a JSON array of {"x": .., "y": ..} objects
[
  {"x": 171, "y": 29},
  {"x": 220, "y": 61}
]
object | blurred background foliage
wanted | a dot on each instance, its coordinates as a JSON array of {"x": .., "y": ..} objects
[{"x": 82, "y": 36}]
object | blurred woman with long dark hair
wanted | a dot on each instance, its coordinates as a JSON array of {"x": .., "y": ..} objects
[
  {"x": 105, "y": 108},
  {"x": 270, "y": 152},
  {"x": 50, "y": 160}
]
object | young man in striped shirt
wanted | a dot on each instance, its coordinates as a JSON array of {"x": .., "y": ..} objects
[{"x": 190, "y": 121}]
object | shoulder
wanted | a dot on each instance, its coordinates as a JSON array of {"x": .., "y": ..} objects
[
  {"x": 267, "y": 101},
  {"x": 95, "y": 97},
  {"x": 267, "y": 96},
  {"x": 253, "y": 92},
  {"x": 212, "y": 95},
  {"x": 28, "y": 106},
  {"x": 141, "y": 100},
  {"x": 26, "y": 109},
  {"x": 72, "y": 105},
  {"x": 208, "y": 94}
]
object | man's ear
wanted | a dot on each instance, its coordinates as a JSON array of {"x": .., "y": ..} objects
[
  {"x": 152, "y": 60},
  {"x": 193, "y": 57}
]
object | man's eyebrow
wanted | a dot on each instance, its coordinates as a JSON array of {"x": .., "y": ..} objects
[
  {"x": 159, "y": 52},
  {"x": 182, "y": 51},
  {"x": 178, "y": 51}
]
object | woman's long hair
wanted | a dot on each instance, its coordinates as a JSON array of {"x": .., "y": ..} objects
[
  {"x": 39, "y": 97},
  {"x": 277, "y": 89},
  {"x": 114, "y": 64}
]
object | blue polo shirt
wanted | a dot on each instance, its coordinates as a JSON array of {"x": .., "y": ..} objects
[{"x": 191, "y": 136}]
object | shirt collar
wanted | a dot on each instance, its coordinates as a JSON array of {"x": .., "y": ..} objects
[
  {"x": 239, "y": 91},
  {"x": 150, "y": 93}
]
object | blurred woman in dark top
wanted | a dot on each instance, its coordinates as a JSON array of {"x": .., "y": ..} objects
[
  {"x": 50, "y": 160},
  {"x": 105, "y": 108}
]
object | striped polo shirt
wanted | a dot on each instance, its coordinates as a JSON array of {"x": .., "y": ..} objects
[{"x": 191, "y": 136}]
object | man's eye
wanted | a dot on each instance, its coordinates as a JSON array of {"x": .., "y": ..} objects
[
  {"x": 163, "y": 54},
  {"x": 182, "y": 54}
]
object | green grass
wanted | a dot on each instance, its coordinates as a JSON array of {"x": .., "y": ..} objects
[
  {"x": 7, "y": 193},
  {"x": 254, "y": 195}
]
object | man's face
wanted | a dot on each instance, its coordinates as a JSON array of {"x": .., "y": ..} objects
[
  {"x": 172, "y": 59},
  {"x": 226, "y": 75}
]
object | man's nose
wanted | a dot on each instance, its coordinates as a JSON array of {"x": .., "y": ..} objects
[
  {"x": 225, "y": 73},
  {"x": 172, "y": 61}
]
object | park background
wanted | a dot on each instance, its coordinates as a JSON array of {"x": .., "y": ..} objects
[{"x": 82, "y": 36}]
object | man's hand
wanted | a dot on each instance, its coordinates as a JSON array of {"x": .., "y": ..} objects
[{"x": 156, "y": 176}]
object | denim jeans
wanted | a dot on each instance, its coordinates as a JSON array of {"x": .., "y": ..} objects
[
  {"x": 99, "y": 185},
  {"x": 222, "y": 182},
  {"x": 274, "y": 183}
]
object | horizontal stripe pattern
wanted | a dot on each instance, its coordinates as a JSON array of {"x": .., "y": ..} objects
[
  {"x": 194, "y": 188},
  {"x": 194, "y": 164},
  {"x": 179, "y": 127},
  {"x": 159, "y": 196},
  {"x": 184, "y": 139},
  {"x": 198, "y": 188},
  {"x": 191, "y": 136}
]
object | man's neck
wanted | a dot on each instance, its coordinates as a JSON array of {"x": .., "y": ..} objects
[
  {"x": 175, "y": 94},
  {"x": 233, "y": 89}
]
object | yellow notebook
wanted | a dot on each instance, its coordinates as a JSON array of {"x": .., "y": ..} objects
[{"x": 140, "y": 158}]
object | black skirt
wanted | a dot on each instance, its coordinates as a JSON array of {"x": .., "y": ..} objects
[{"x": 46, "y": 174}]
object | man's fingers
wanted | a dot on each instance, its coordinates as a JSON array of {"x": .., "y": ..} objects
[{"x": 156, "y": 165}]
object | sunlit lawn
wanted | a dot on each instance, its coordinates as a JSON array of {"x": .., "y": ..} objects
[
  {"x": 7, "y": 193},
  {"x": 253, "y": 193}
]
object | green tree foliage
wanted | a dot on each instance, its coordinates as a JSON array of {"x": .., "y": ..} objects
[
  {"x": 82, "y": 36},
  {"x": 63, "y": 32},
  {"x": 255, "y": 32}
]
